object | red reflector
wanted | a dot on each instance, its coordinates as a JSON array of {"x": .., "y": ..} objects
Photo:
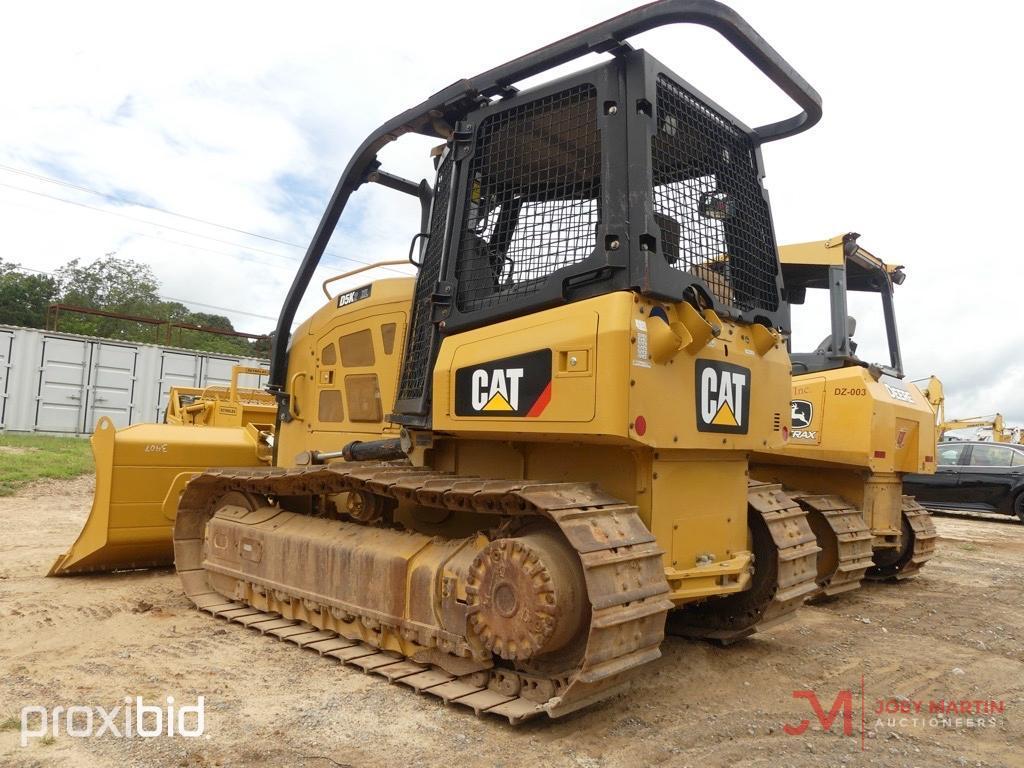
[
  {"x": 640, "y": 425},
  {"x": 879, "y": 454},
  {"x": 785, "y": 433},
  {"x": 929, "y": 458}
]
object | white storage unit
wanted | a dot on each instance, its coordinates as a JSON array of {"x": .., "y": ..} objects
[
  {"x": 111, "y": 390},
  {"x": 63, "y": 383},
  {"x": 63, "y": 378},
  {"x": 6, "y": 342}
]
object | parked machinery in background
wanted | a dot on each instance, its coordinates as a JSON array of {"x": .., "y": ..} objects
[
  {"x": 994, "y": 424},
  {"x": 141, "y": 470},
  {"x": 858, "y": 427}
]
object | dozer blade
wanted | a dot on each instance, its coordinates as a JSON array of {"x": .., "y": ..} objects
[{"x": 140, "y": 472}]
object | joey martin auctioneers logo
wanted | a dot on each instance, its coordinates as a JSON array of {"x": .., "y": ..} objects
[
  {"x": 132, "y": 719},
  {"x": 853, "y": 715}
]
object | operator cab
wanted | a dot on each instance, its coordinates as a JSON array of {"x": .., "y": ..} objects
[
  {"x": 839, "y": 266},
  {"x": 621, "y": 177}
]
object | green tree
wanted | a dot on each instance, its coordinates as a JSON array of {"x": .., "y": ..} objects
[
  {"x": 24, "y": 296},
  {"x": 113, "y": 285},
  {"x": 110, "y": 283}
]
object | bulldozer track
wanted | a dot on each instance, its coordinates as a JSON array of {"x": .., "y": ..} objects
[
  {"x": 925, "y": 536},
  {"x": 793, "y": 546},
  {"x": 850, "y": 536},
  {"x": 620, "y": 560}
]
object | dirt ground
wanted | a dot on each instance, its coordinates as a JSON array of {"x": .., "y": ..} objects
[{"x": 954, "y": 633}]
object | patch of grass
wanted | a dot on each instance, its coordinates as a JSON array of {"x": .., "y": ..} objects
[
  {"x": 25, "y": 458},
  {"x": 10, "y": 724},
  {"x": 47, "y": 740}
]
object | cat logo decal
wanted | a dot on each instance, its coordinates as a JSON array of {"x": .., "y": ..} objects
[
  {"x": 723, "y": 397},
  {"x": 512, "y": 386}
]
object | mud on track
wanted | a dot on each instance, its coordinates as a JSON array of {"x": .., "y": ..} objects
[{"x": 955, "y": 632}]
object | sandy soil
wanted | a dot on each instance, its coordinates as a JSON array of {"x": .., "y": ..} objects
[{"x": 956, "y": 632}]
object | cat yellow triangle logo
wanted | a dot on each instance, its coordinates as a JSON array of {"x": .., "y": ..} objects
[
  {"x": 723, "y": 397},
  {"x": 498, "y": 403},
  {"x": 725, "y": 417}
]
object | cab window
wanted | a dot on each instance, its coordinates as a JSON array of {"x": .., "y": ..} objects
[
  {"x": 1018, "y": 459},
  {"x": 950, "y": 454},
  {"x": 991, "y": 456}
]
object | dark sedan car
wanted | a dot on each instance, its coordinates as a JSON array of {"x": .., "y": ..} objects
[{"x": 987, "y": 477}]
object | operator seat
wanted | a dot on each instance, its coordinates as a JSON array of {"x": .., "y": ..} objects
[{"x": 825, "y": 347}]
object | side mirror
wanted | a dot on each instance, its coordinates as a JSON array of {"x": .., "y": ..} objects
[{"x": 796, "y": 295}]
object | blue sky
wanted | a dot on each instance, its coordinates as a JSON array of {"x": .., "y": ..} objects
[{"x": 244, "y": 115}]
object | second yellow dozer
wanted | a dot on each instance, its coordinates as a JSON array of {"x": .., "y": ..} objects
[
  {"x": 142, "y": 469},
  {"x": 567, "y": 397},
  {"x": 857, "y": 428}
]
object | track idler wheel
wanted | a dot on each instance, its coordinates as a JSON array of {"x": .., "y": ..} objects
[
  {"x": 785, "y": 554},
  {"x": 731, "y": 618},
  {"x": 890, "y": 563},
  {"x": 526, "y": 596}
]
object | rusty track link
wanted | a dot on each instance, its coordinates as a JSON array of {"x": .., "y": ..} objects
[
  {"x": 846, "y": 554},
  {"x": 620, "y": 560},
  {"x": 925, "y": 536},
  {"x": 789, "y": 560}
]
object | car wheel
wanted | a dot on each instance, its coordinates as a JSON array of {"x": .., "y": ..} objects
[{"x": 1018, "y": 506}]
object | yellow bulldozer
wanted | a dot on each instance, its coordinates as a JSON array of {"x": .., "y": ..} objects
[
  {"x": 566, "y": 398},
  {"x": 141, "y": 470},
  {"x": 857, "y": 428},
  {"x": 499, "y": 482}
]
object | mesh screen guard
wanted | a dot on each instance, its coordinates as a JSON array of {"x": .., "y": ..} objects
[
  {"x": 418, "y": 358},
  {"x": 709, "y": 205},
  {"x": 538, "y": 191},
  {"x": 533, "y": 197}
]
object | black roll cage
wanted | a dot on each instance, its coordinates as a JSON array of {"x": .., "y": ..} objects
[{"x": 433, "y": 116}]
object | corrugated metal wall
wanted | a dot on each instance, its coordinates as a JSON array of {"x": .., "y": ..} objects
[{"x": 63, "y": 383}]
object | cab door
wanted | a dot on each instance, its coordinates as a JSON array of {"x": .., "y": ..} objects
[{"x": 356, "y": 374}]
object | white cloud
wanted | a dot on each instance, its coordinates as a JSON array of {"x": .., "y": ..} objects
[{"x": 246, "y": 114}]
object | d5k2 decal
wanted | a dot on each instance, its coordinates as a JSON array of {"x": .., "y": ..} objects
[
  {"x": 512, "y": 386},
  {"x": 723, "y": 397}
]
